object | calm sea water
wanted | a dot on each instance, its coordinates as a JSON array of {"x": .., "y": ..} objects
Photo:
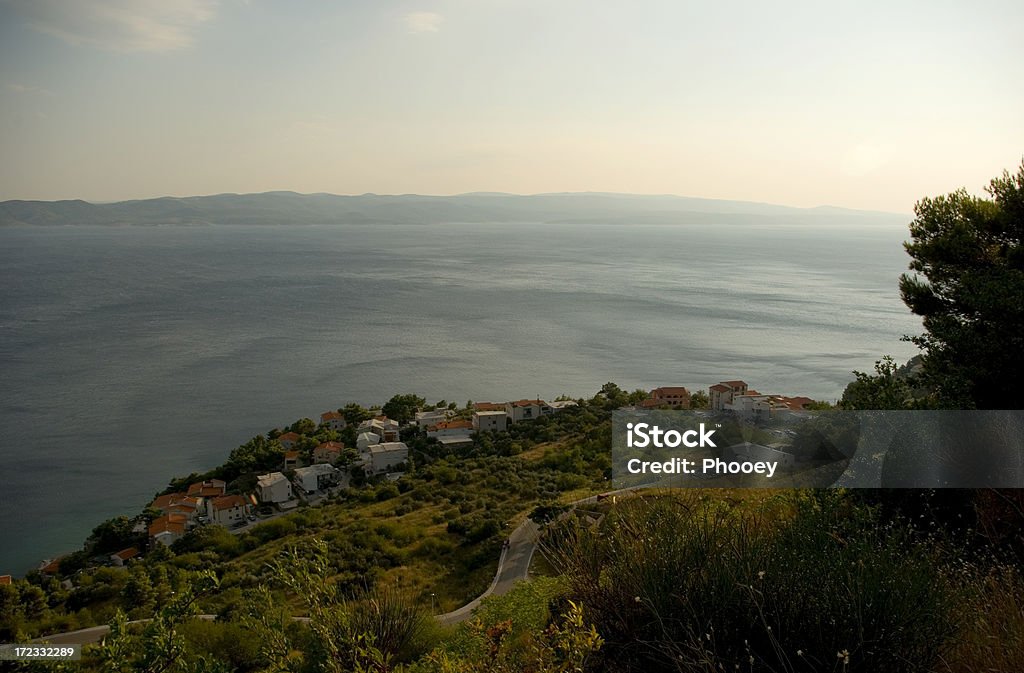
[{"x": 130, "y": 355}]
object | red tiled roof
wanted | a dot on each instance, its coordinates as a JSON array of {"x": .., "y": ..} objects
[
  {"x": 51, "y": 567},
  {"x": 331, "y": 416},
  {"x": 528, "y": 403},
  {"x": 720, "y": 387},
  {"x": 229, "y": 502},
  {"x": 291, "y": 455},
  {"x": 793, "y": 403},
  {"x": 205, "y": 489},
  {"x": 289, "y": 437},
  {"x": 165, "y": 501},
  {"x": 734, "y": 384},
  {"x": 172, "y": 523},
  {"x": 5, "y": 579},
  {"x": 488, "y": 406},
  {"x": 125, "y": 554},
  {"x": 331, "y": 446},
  {"x": 451, "y": 425},
  {"x": 670, "y": 391}
]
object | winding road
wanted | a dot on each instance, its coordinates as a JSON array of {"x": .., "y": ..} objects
[{"x": 513, "y": 566}]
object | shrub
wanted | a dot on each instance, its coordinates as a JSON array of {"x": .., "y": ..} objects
[{"x": 687, "y": 584}]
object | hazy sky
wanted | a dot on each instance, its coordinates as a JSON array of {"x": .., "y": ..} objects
[{"x": 861, "y": 104}]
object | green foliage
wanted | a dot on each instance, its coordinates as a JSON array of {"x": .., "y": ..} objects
[
  {"x": 968, "y": 285},
  {"x": 567, "y": 645},
  {"x": 159, "y": 648},
  {"x": 259, "y": 454},
  {"x": 113, "y": 535},
  {"x": 355, "y": 413},
  {"x": 209, "y": 538},
  {"x": 546, "y": 512},
  {"x": 303, "y": 426},
  {"x": 402, "y": 408},
  {"x": 611, "y": 397},
  {"x": 699, "y": 399},
  {"x": 690, "y": 585},
  {"x": 343, "y": 636},
  {"x": 888, "y": 388}
]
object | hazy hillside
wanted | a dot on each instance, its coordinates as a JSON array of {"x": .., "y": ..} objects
[{"x": 292, "y": 208}]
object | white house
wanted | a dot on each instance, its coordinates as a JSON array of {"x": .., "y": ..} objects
[
  {"x": 382, "y": 426},
  {"x": 526, "y": 410},
  {"x": 458, "y": 428},
  {"x": 756, "y": 406},
  {"x": 723, "y": 393},
  {"x": 490, "y": 421},
  {"x": 385, "y": 457},
  {"x": 328, "y": 452},
  {"x": 365, "y": 440},
  {"x": 273, "y": 487},
  {"x": 316, "y": 477},
  {"x": 332, "y": 420},
  {"x": 227, "y": 510},
  {"x": 425, "y": 419}
]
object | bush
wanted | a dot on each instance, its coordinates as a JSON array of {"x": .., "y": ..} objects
[{"x": 688, "y": 584}]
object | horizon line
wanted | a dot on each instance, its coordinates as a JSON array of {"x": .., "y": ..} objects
[{"x": 456, "y": 195}]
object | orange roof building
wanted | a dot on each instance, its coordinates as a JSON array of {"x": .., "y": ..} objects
[
  {"x": 167, "y": 528},
  {"x": 459, "y": 424},
  {"x": 123, "y": 556},
  {"x": 51, "y": 566},
  {"x": 228, "y": 502},
  {"x": 328, "y": 452},
  {"x": 288, "y": 439},
  {"x": 333, "y": 419},
  {"x": 162, "y": 502},
  {"x": 675, "y": 397},
  {"x": 207, "y": 489}
]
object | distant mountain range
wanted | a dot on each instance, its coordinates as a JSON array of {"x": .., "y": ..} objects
[{"x": 294, "y": 208}]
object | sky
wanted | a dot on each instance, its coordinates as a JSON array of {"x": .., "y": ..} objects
[{"x": 861, "y": 104}]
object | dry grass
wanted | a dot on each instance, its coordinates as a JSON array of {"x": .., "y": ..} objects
[{"x": 991, "y": 639}]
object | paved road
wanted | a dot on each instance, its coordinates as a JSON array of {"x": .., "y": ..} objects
[
  {"x": 513, "y": 566},
  {"x": 93, "y": 634}
]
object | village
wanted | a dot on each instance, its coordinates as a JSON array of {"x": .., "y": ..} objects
[{"x": 307, "y": 477}]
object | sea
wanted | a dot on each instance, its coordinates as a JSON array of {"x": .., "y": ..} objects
[{"x": 133, "y": 354}]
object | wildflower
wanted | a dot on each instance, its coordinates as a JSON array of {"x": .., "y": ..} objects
[
  {"x": 799, "y": 653},
  {"x": 844, "y": 655},
  {"x": 760, "y": 574},
  {"x": 637, "y": 599}
]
